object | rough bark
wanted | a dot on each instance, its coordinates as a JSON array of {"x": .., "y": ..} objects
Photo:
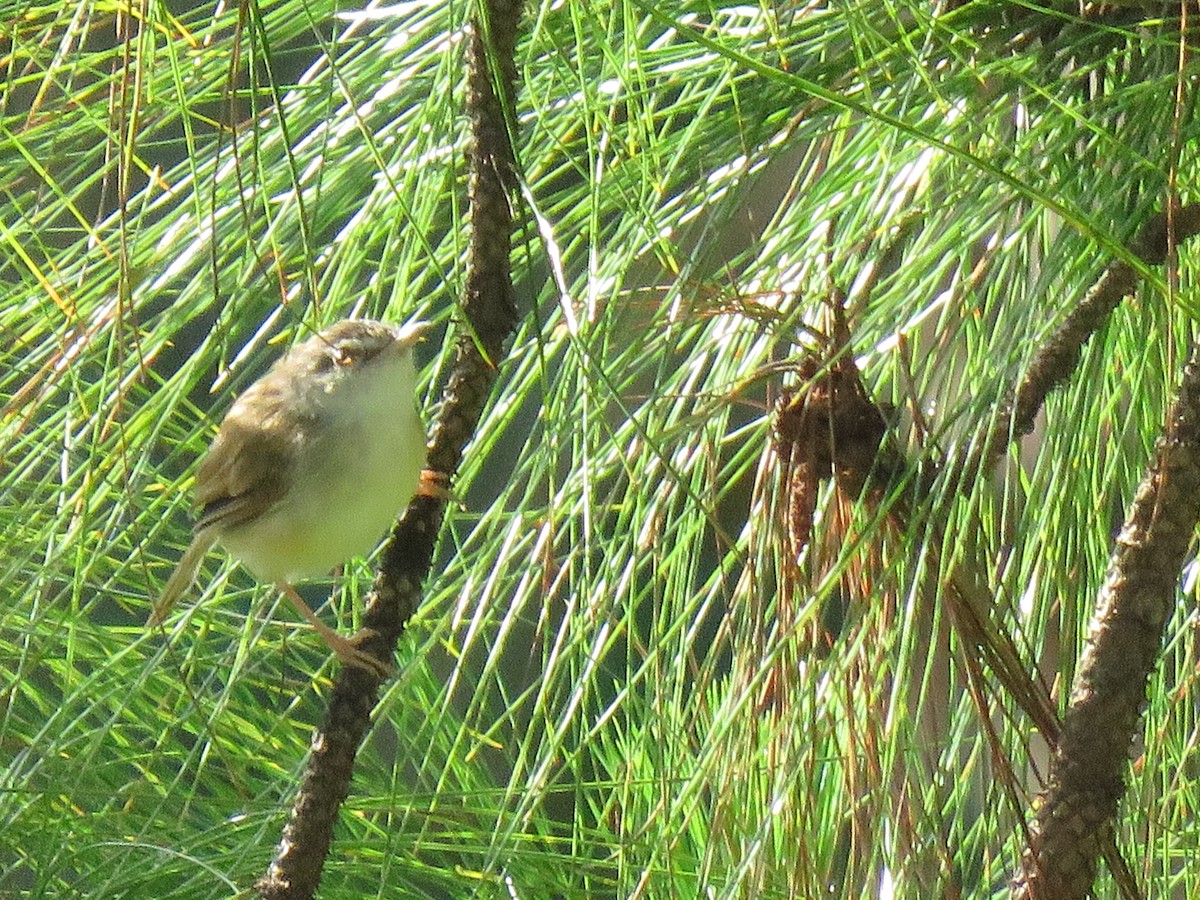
[{"x": 1076, "y": 809}]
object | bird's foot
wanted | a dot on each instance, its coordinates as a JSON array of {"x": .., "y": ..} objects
[{"x": 436, "y": 485}]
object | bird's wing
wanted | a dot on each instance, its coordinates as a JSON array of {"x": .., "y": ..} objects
[{"x": 248, "y": 468}]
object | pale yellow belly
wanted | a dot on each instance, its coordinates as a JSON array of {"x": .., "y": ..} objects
[{"x": 339, "y": 510}]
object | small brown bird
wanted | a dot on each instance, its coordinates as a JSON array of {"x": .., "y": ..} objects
[{"x": 311, "y": 465}]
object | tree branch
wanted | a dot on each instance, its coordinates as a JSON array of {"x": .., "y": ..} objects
[
  {"x": 491, "y": 316},
  {"x": 1075, "y": 810}
]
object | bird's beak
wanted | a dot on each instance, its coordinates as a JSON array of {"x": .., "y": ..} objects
[{"x": 407, "y": 335}]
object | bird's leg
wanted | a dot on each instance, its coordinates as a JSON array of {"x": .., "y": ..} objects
[
  {"x": 343, "y": 647},
  {"x": 436, "y": 485}
]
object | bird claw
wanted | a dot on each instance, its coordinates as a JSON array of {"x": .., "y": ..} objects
[
  {"x": 347, "y": 650},
  {"x": 436, "y": 485}
]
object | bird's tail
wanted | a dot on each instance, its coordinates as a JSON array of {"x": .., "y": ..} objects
[{"x": 183, "y": 576}]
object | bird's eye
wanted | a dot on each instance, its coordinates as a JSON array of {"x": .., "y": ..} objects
[{"x": 324, "y": 363}]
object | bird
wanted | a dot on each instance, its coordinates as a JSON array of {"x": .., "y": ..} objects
[{"x": 310, "y": 465}]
